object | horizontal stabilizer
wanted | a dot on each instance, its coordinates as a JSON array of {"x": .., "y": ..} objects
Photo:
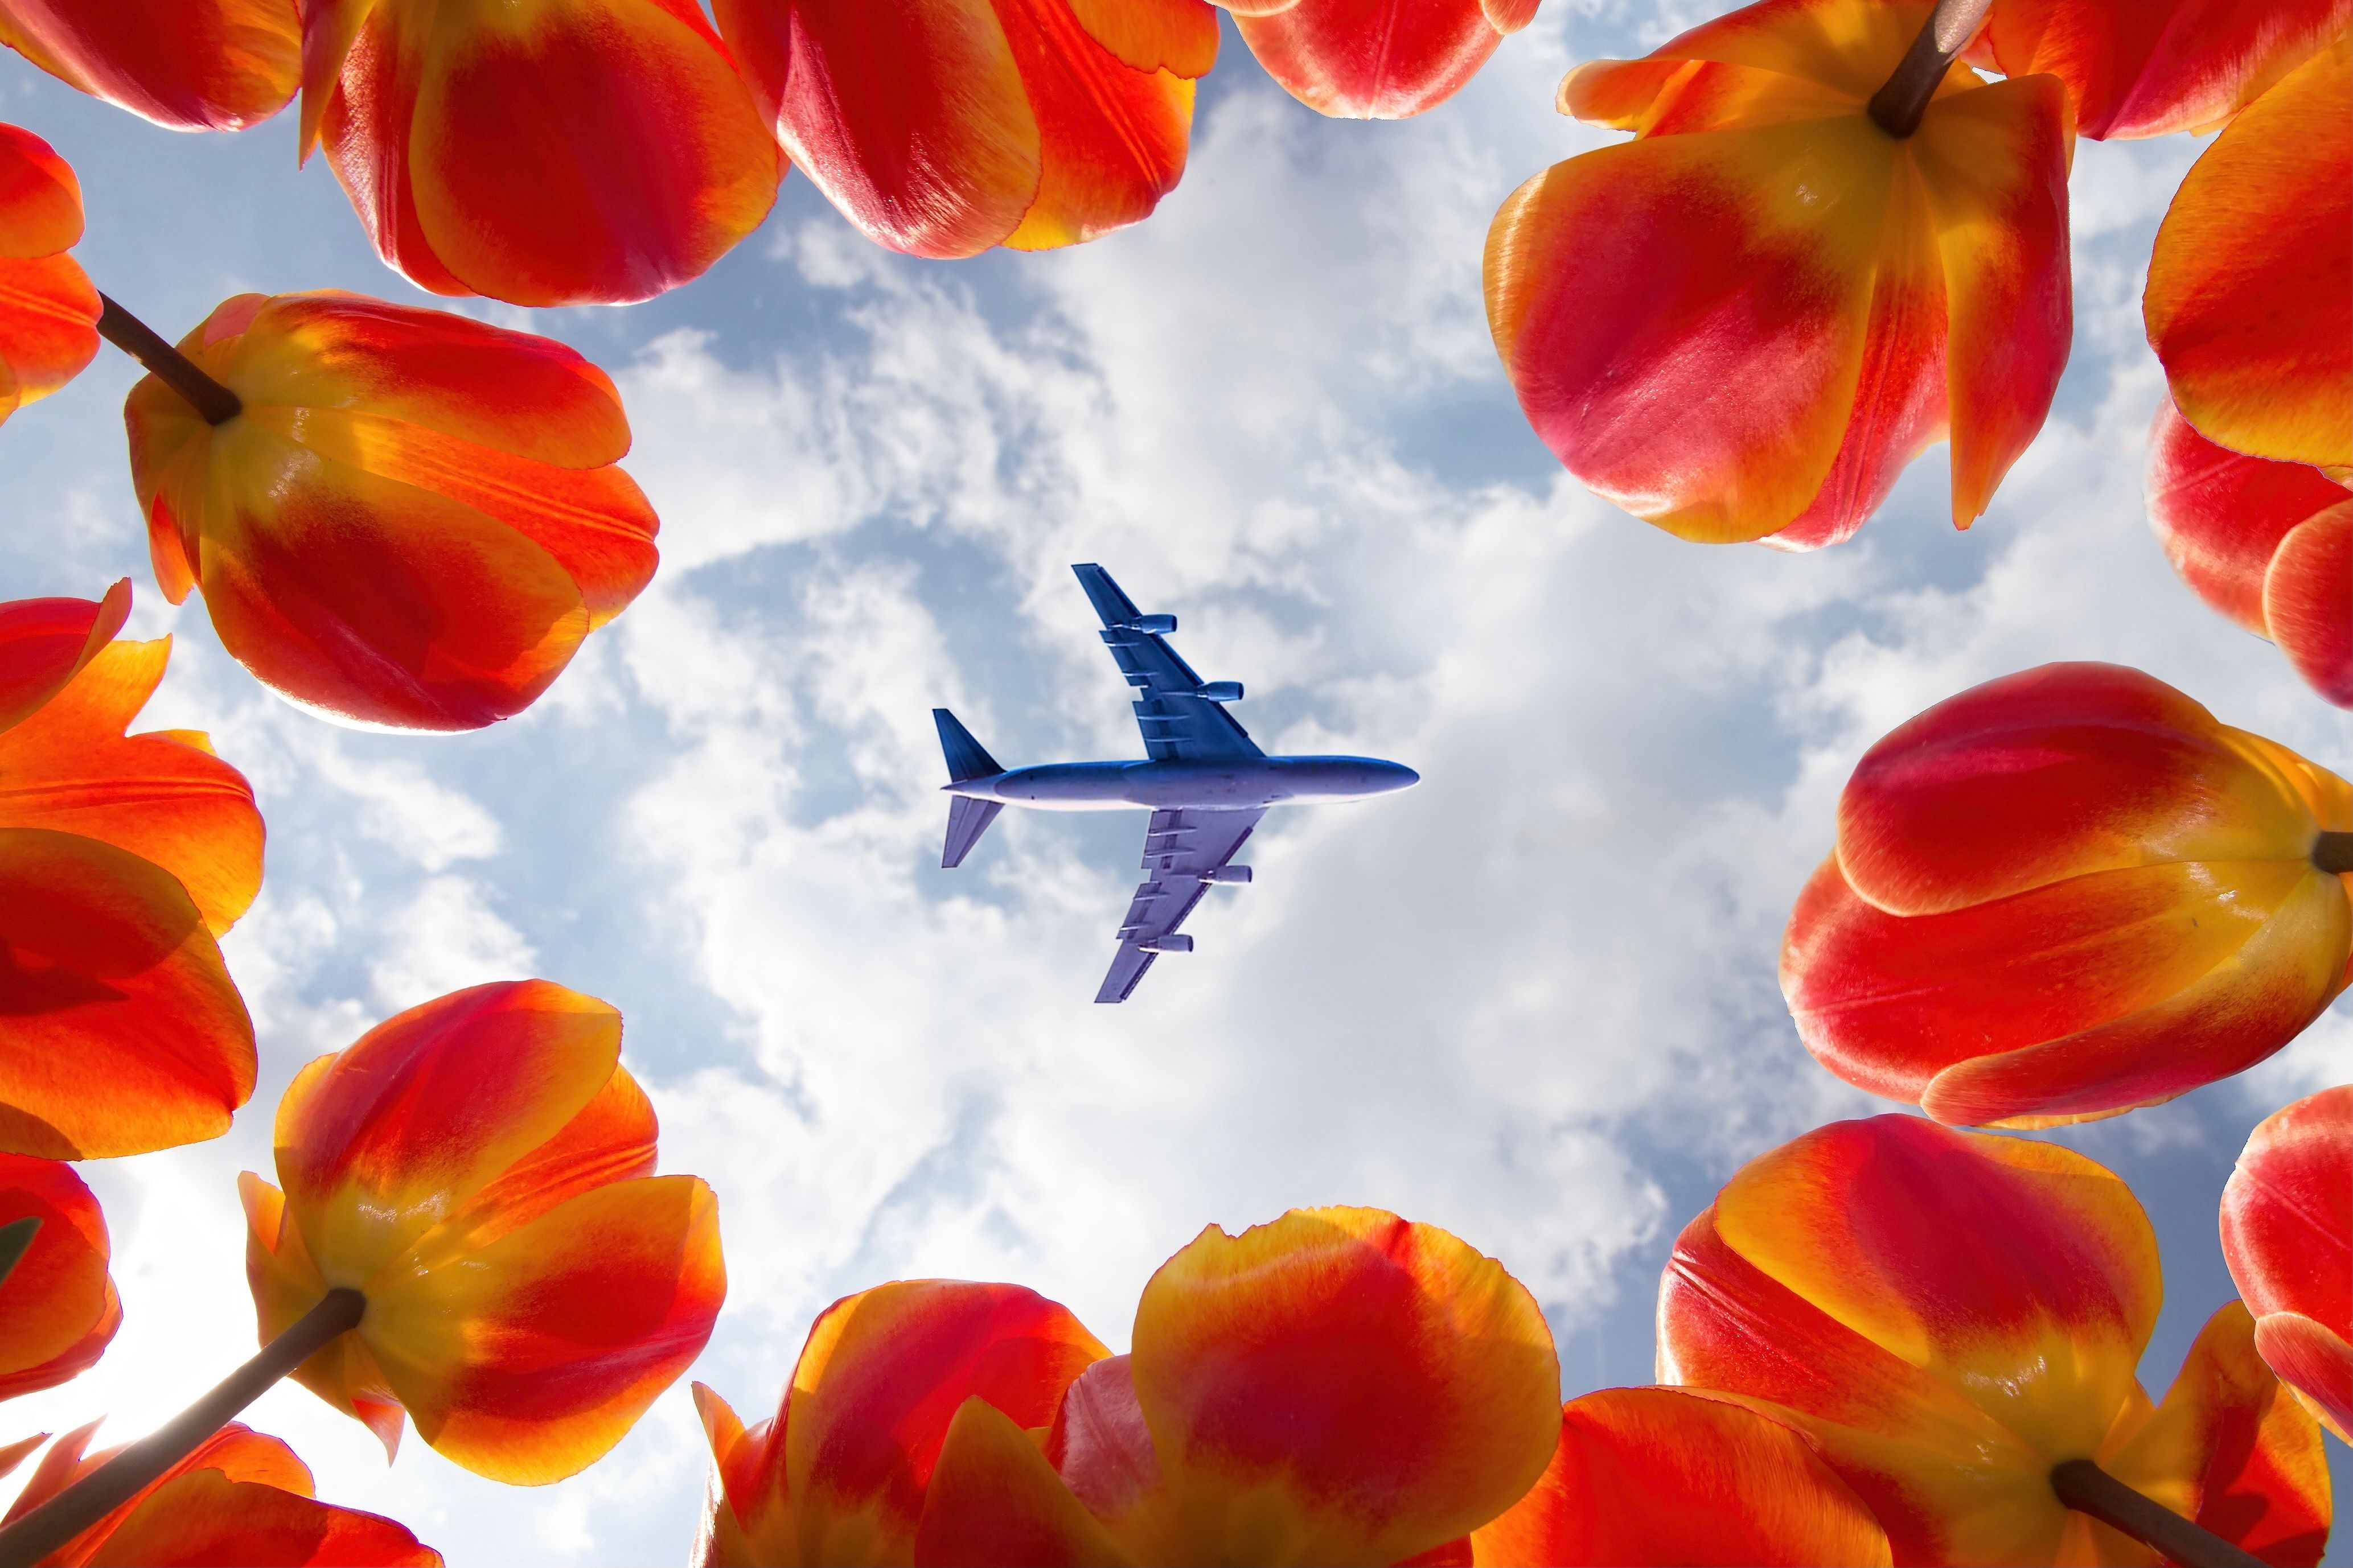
[
  {"x": 967, "y": 820},
  {"x": 968, "y": 758}
]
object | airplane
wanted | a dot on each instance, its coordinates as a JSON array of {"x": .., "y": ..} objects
[{"x": 1205, "y": 780}]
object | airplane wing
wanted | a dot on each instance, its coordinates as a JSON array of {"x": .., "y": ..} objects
[
  {"x": 1179, "y": 724},
  {"x": 1184, "y": 853}
]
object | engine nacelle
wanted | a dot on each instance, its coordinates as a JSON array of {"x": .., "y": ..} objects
[
  {"x": 1177, "y": 943},
  {"x": 1236, "y": 874},
  {"x": 1221, "y": 690},
  {"x": 1159, "y": 625}
]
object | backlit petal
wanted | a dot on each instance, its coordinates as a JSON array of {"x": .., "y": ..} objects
[
  {"x": 2222, "y": 514},
  {"x": 57, "y": 1307},
  {"x": 2304, "y": 604},
  {"x": 40, "y": 200},
  {"x": 236, "y": 1452},
  {"x": 1177, "y": 35},
  {"x": 285, "y": 1285},
  {"x": 2287, "y": 1235},
  {"x": 1373, "y": 60},
  {"x": 44, "y": 643},
  {"x": 191, "y": 65},
  {"x": 993, "y": 1498},
  {"x": 2160, "y": 66},
  {"x": 1112, "y": 140},
  {"x": 205, "y": 1516},
  {"x": 48, "y": 327}
]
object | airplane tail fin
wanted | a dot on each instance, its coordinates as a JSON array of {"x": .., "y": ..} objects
[
  {"x": 968, "y": 758},
  {"x": 967, "y": 820}
]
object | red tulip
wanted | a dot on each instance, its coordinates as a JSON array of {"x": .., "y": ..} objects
[
  {"x": 2158, "y": 66},
  {"x": 49, "y": 311},
  {"x": 2269, "y": 545},
  {"x": 563, "y": 153},
  {"x": 2287, "y": 1235},
  {"x": 415, "y": 520},
  {"x": 944, "y": 127},
  {"x": 2249, "y": 298},
  {"x": 44, "y": 643},
  {"x": 1745, "y": 321},
  {"x": 2067, "y": 893},
  {"x": 479, "y": 1168},
  {"x": 58, "y": 1305},
  {"x": 1376, "y": 59},
  {"x": 1950, "y": 1317},
  {"x": 192, "y": 65}
]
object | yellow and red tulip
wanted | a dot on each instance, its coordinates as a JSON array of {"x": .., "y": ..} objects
[
  {"x": 1950, "y": 1316},
  {"x": 1375, "y": 59},
  {"x": 547, "y": 153},
  {"x": 241, "y": 1496},
  {"x": 58, "y": 1305},
  {"x": 481, "y": 1169},
  {"x": 2269, "y": 545},
  {"x": 191, "y": 65},
  {"x": 2067, "y": 893},
  {"x": 2249, "y": 297},
  {"x": 944, "y": 127},
  {"x": 2287, "y": 1235},
  {"x": 123, "y": 858},
  {"x": 1742, "y": 325},
  {"x": 49, "y": 311},
  {"x": 414, "y": 521}
]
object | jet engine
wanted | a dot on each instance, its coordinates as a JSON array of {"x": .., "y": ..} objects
[
  {"x": 1160, "y": 625},
  {"x": 1221, "y": 690},
  {"x": 1176, "y": 944},
  {"x": 1237, "y": 875}
]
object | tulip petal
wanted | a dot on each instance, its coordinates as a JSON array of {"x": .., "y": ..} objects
[
  {"x": 993, "y": 1498},
  {"x": 1112, "y": 140},
  {"x": 1179, "y": 37},
  {"x": 125, "y": 1033},
  {"x": 2316, "y": 1364},
  {"x": 205, "y": 1516},
  {"x": 286, "y": 1284},
  {"x": 236, "y": 1452},
  {"x": 529, "y": 1358},
  {"x": 2306, "y": 607},
  {"x": 40, "y": 200},
  {"x": 45, "y": 643},
  {"x": 2250, "y": 296},
  {"x": 2220, "y": 515},
  {"x": 48, "y": 327},
  {"x": 1340, "y": 1385},
  {"x": 190, "y": 64},
  {"x": 57, "y": 1307},
  {"x": 1373, "y": 60},
  {"x": 2287, "y": 1235},
  {"x": 1660, "y": 1476},
  {"x": 2160, "y": 66}
]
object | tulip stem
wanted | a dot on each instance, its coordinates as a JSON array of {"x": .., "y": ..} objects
[
  {"x": 90, "y": 1500},
  {"x": 134, "y": 337},
  {"x": 2083, "y": 1485},
  {"x": 1897, "y": 107},
  {"x": 2334, "y": 852}
]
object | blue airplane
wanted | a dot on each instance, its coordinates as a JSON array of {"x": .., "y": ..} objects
[{"x": 1205, "y": 780}]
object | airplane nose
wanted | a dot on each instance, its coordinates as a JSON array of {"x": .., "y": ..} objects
[{"x": 1400, "y": 776}]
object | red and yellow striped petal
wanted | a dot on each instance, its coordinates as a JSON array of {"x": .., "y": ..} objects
[
  {"x": 1112, "y": 139},
  {"x": 45, "y": 643},
  {"x": 57, "y": 1307},
  {"x": 162, "y": 795},
  {"x": 557, "y": 153},
  {"x": 235, "y": 1451},
  {"x": 2222, "y": 515},
  {"x": 191, "y": 65},
  {"x": 204, "y": 1516},
  {"x": 2160, "y": 66},
  {"x": 2287, "y": 1235},
  {"x": 286, "y": 1284},
  {"x": 40, "y": 200},
  {"x": 1179, "y": 37},
  {"x": 1339, "y": 1385},
  {"x": 1371, "y": 59},
  {"x": 2304, "y": 604},
  {"x": 2250, "y": 296},
  {"x": 48, "y": 327},
  {"x": 993, "y": 1498},
  {"x": 1660, "y": 1476},
  {"x": 125, "y": 1033}
]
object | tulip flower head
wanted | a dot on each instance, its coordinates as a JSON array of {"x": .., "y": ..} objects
[
  {"x": 1375, "y": 59},
  {"x": 2158, "y": 66},
  {"x": 58, "y": 1309},
  {"x": 1742, "y": 325},
  {"x": 2268, "y": 545},
  {"x": 190, "y": 64},
  {"x": 49, "y": 311},
  {"x": 1948, "y": 1317},
  {"x": 2287, "y": 1235},
  {"x": 413, "y": 519},
  {"x": 479, "y": 1169},
  {"x": 547, "y": 153},
  {"x": 2067, "y": 893},
  {"x": 944, "y": 127}
]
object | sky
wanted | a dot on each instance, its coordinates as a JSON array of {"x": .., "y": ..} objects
[{"x": 1531, "y": 1000}]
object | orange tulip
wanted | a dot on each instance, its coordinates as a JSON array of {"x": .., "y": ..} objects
[
  {"x": 2067, "y": 893},
  {"x": 944, "y": 127},
  {"x": 1950, "y": 1317},
  {"x": 240, "y": 1498},
  {"x": 542, "y": 153},
  {"x": 123, "y": 858},
  {"x": 2269, "y": 545},
  {"x": 839, "y": 1474},
  {"x": 58, "y": 1305},
  {"x": 415, "y": 520},
  {"x": 1661, "y": 1476},
  {"x": 2287, "y": 1235},
  {"x": 479, "y": 1168},
  {"x": 2160, "y": 66},
  {"x": 192, "y": 65},
  {"x": 1376, "y": 59},
  {"x": 49, "y": 311},
  {"x": 1743, "y": 323},
  {"x": 2249, "y": 298}
]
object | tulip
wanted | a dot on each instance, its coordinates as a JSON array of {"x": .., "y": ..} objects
[
  {"x": 1375, "y": 59},
  {"x": 58, "y": 1305},
  {"x": 191, "y": 65},
  {"x": 944, "y": 127},
  {"x": 1742, "y": 325},
  {"x": 2268, "y": 545},
  {"x": 564, "y": 153},
  {"x": 398, "y": 516},
  {"x": 241, "y": 1496},
  {"x": 2067, "y": 893},
  {"x": 2158, "y": 66},
  {"x": 2287, "y": 1235},
  {"x": 838, "y": 1475},
  {"x": 1662, "y": 1476},
  {"x": 123, "y": 858},
  {"x": 1955, "y": 1320},
  {"x": 2249, "y": 297},
  {"x": 49, "y": 311}
]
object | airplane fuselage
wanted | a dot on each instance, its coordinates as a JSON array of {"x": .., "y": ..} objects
[{"x": 1226, "y": 783}]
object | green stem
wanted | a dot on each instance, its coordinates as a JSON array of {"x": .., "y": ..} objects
[
  {"x": 134, "y": 337},
  {"x": 2089, "y": 1490},
  {"x": 1897, "y": 107}
]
